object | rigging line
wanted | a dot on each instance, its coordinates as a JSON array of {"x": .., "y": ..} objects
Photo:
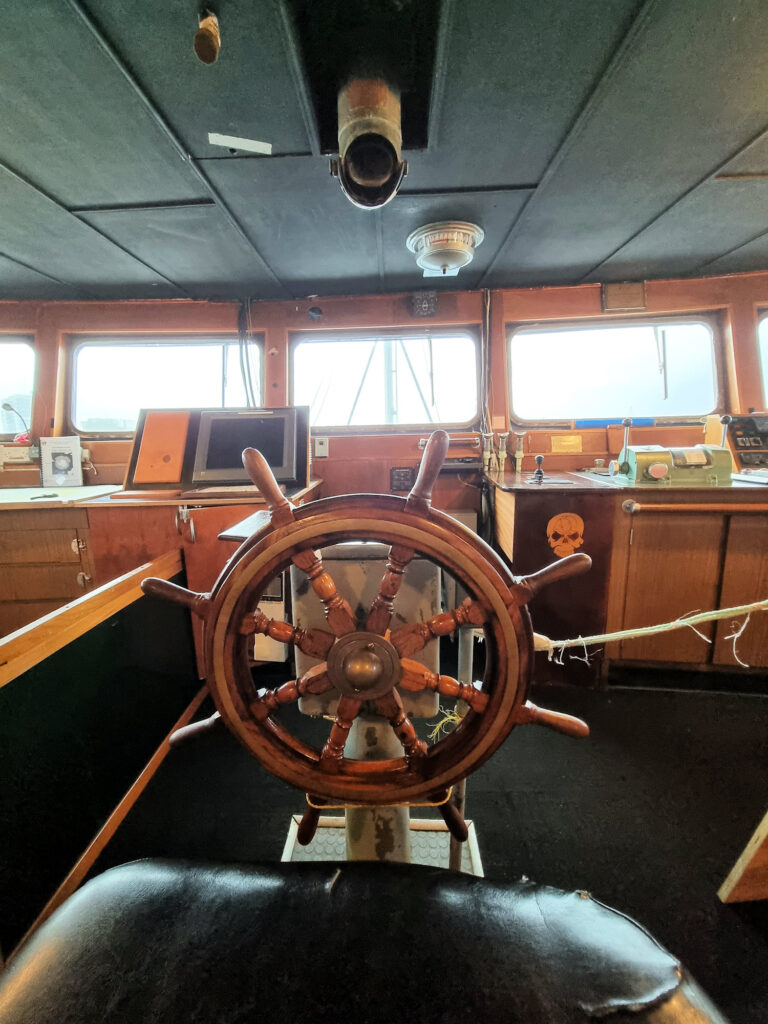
[
  {"x": 430, "y": 417},
  {"x": 241, "y": 344},
  {"x": 362, "y": 381}
]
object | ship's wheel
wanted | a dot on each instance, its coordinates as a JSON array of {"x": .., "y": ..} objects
[{"x": 368, "y": 665}]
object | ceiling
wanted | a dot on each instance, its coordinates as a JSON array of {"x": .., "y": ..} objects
[{"x": 592, "y": 140}]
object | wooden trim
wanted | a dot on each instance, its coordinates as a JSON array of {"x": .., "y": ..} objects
[
  {"x": 748, "y": 878},
  {"x": 633, "y": 507},
  {"x": 110, "y": 826},
  {"x": 30, "y": 645}
]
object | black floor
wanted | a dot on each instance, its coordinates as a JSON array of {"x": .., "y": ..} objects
[{"x": 648, "y": 814}]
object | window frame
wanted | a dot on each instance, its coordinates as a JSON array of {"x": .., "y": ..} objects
[
  {"x": 710, "y": 319},
  {"x": 28, "y": 340},
  {"x": 762, "y": 316},
  {"x": 78, "y": 341},
  {"x": 472, "y": 331}
]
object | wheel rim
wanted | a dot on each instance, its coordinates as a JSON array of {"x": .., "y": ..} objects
[{"x": 434, "y": 536}]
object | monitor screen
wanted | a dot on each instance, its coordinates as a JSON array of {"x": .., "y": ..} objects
[{"x": 224, "y": 434}]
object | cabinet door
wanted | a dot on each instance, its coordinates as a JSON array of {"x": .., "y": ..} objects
[
  {"x": 745, "y": 579},
  {"x": 205, "y": 555},
  {"x": 674, "y": 569}
]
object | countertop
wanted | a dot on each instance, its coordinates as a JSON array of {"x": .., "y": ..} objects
[{"x": 576, "y": 481}]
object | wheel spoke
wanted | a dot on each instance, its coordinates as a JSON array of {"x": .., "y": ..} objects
[
  {"x": 314, "y": 680},
  {"x": 391, "y": 707},
  {"x": 333, "y": 751},
  {"x": 337, "y": 611},
  {"x": 416, "y": 677},
  {"x": 313, "y": 642},
  {"x": 381, "y": 610},
  {"x": 414, "y": 637}
]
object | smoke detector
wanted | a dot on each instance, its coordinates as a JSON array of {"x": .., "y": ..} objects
[{"x": 443, "y": 248}]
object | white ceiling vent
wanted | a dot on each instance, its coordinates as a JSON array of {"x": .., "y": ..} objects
[{"x": 442, "y": 249}]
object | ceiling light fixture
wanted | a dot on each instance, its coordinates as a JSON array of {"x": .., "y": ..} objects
[{"x": 443, "y": 248}]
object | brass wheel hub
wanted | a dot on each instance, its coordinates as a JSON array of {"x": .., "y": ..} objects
[{"x": 363, "y": 665}]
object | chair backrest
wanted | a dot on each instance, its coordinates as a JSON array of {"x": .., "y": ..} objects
[{"x": 312, "y": 943}]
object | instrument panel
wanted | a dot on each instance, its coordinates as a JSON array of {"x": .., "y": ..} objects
[{"x": 749, "y": 440}]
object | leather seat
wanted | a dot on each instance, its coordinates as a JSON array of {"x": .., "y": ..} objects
[{"x": 350, "y": 942}]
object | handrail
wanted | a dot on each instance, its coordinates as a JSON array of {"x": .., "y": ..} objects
[
  {"x": 31, "y": 644},
  {"x": 633, "y": 507}
]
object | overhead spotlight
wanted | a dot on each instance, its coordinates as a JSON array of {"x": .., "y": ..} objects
[
  {"x": 208, "y": 38},
  {"x": 370, "y": 167},
  {"x": 443, "y": 248}
]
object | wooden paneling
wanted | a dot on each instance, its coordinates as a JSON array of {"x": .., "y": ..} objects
[
  {"x": 745, "y": 579},
  {"x": 674, "y": 569},
  {"x": 38, "y": 546},
  {"x": 504, "y": 514}
]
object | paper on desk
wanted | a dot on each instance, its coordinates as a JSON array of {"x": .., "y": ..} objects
[{"x": 60, "y": 462}]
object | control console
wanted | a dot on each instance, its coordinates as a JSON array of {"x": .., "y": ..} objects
[{"x": 749, "y": 440}]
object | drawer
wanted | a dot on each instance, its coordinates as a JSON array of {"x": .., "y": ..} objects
[
  {"x": 41, "y": 582},
  {"x": 38, "y": 546}
]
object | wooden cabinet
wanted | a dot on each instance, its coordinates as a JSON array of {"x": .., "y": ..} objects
[
  {"x": 745, "y": 579},
  {"x": 45, "y": 561},
  {"x": 674, "y": 568},
  {"x": 670, "y": 561},
  {"x": 527, "y": 524}
]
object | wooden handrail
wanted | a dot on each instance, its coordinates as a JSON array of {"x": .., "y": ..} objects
[
  {"x": 633, "y": 507},
  {"x": 33, "y": 643}
]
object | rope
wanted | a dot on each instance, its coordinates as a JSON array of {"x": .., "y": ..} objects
[{"x": 555, "y": 647}]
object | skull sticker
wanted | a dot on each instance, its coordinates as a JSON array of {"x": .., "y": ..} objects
[{"x": 565, "y": 533}]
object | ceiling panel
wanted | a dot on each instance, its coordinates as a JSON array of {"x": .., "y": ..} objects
[
  {"x": 751, "y": 256},
  {"x": 248, "y": 92},
  {"x": 516, "y": 74},
  {"x": 299, "y": 220},
  {"x": 196, "y": 247},
  {"x": 40, "y": 234},
  {"x": 688, "y": 92},
  {"x": 71, "y": 123},
  {"x": 494, "y": 212},
  {"x": 19, "y": 282},
  {"x": 713, "y": 219}
]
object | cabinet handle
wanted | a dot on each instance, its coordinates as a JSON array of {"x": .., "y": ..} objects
[
  {"x": 77, "y": 545},
  {"x": 183, "y": 516},
  {"x": 83, "y": 579},
  {"x": 633, "y": 507}
]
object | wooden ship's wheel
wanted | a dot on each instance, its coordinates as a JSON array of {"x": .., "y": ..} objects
[{"x": 368, "y": 665}]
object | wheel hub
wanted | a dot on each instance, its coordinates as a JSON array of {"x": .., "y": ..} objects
[{"x": 363, "y": 665}]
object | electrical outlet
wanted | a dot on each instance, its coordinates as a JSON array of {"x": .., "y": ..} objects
[
  {"x": 322, "y": 447},
  {"x": 85, "y": 454}
]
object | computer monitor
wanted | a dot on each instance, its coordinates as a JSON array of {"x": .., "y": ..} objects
[{"x": 225, "y": 433}]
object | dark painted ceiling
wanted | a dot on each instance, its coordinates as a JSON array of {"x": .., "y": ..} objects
[{"x": 590, "y": 139}]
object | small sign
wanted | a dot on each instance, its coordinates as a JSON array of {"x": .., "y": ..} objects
[{"x": 565, "y": 443}]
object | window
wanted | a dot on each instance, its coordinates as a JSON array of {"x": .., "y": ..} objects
[
  {"x": 17, "y": 378},
  {"x": 113, "y": 378},
  {"x": 608, "y": 371},
  {"x": 367, "y": 381},
  {"x": 762, "y": 341}
]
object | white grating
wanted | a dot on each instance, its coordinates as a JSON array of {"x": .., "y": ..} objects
[{"x": 430, "y": 844}]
